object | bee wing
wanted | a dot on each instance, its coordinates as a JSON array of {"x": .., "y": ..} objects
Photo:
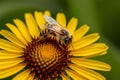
[
  {"x": 54, "y": 25},
  {"x": 55, "y": 28},
  {"x": 49, "y": 19}
]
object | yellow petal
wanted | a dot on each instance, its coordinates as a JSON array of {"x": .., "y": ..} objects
[
  {"x": 11, "y": 37},
  {"x": 72, "y": 25},
  {"x": 95, "y": 55},
  {"x": 10, "y": 71},
  {"x": 103, "y": 53},
  {"x": 6, "y": 45},
  {"x": 31, "y": 77},
  {"x": 39, "y": 19},
  {"x": 90, "y": 50},
  {"x": 6, "y": 63},
  {"x": 23, "y": 29},
  {"x": 22, "y": 76},
  {"x": 74, "y": 75},
  {"x": 85, "y": 41},
  {"x": 17, "y": 33},
  {"x": 64, "y": 77},
  {"x": 7, "y": 54},
  {"x": 61, "y": 19},
  {"x": 32, "y": 25},
  {"x": 92, "y": 64},
  {"x": 47, "y": 13},
  {"x": 89, "y": 74},
  {"x": 80, "y": 32}
]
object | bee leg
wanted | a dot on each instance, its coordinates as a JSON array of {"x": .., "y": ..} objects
[
  {"x": 60, "y": 42},
  {"x": 46, "y": 32},
  {"x": 43, "y": 34},
  {"x": 51, "y": 33}
]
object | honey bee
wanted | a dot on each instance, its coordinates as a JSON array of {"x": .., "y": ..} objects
[{"x": 54, "y": 28}]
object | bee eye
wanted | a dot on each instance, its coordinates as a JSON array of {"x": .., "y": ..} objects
[
  {"x": 64, "y": 32},
  {"x": 67, "y": 40}
]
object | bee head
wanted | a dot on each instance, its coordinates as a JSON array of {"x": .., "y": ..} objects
[{"x": 67, "y": 40}]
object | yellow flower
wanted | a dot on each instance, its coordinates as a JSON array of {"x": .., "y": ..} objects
[{"x": 32, "y": 57}]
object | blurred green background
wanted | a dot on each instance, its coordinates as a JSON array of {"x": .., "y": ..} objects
[{"x": 102, "y": 16}]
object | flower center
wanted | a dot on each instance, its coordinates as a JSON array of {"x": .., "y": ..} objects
[
  {"x": 46, "y": 57},
  {"x": 47, "y": 50}
]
